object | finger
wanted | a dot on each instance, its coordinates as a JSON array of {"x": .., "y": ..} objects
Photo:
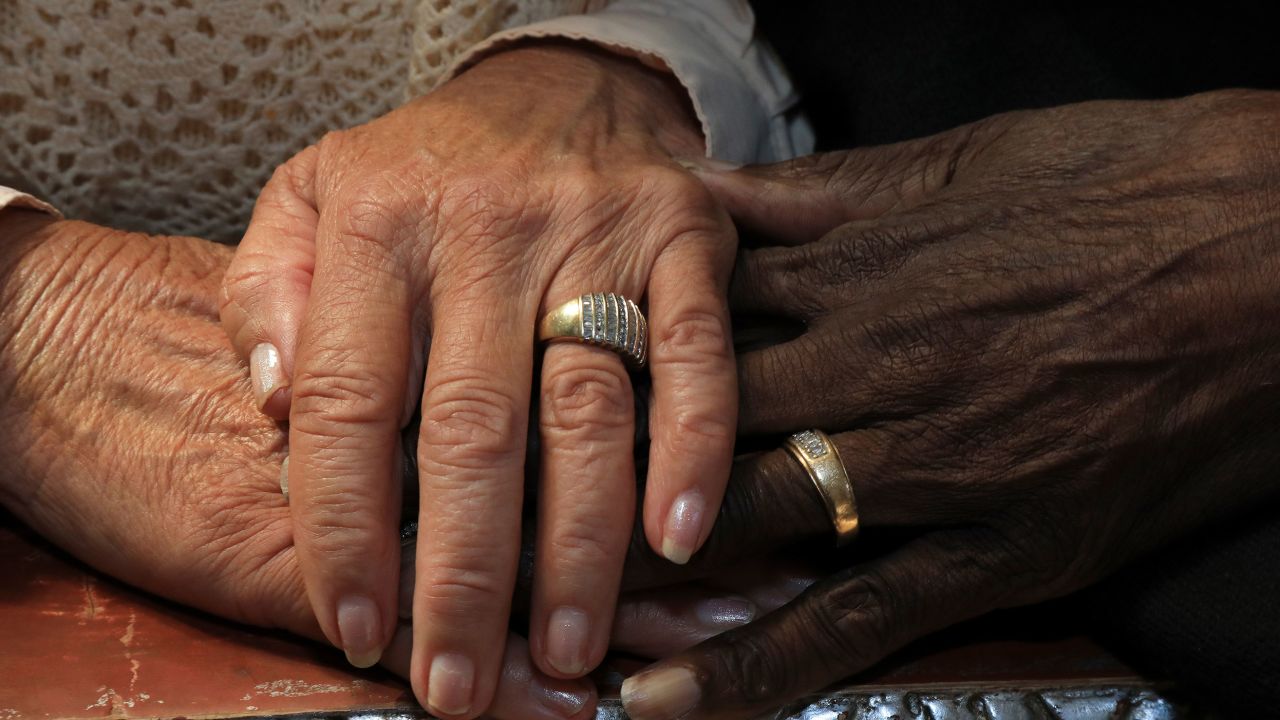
[
  {"x": 344, "y": 463},
  {"x": 695, "y": 396},
  {"x": 838, "y": 627},
  {"x": 768, "y": 582},
  {"x": 870, "y": 373},
  {"x": 798, "y": 201},
  {"x": 471, "y": 469},
  {"x": 658, "y": 623},
  {"x": 773, "y": 504},
  {"x": 523, "y": 692},
  {"x": 861, "y": 265},
  {"x": 265, "y": 289},
  {"x": 807, "y": 282},
  {"x": 764, "y": 509},
  {"x": 586, "y": 505}
]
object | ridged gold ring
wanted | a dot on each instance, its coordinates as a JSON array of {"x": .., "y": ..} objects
[
  {"x": 607, "y": 320},
  {"x": 821, "y": 460}
]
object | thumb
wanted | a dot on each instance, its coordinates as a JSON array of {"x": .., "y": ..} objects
[
  {"x": 266, "y": 286},
  {"x": 800, "y": 200},
  {"x": 838, "y": 627}
]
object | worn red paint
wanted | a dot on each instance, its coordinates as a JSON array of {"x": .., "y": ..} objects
[{"x": 74, "y": 644}]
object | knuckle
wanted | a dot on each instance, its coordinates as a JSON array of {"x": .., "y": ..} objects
[
  {"x": 756, "y": 670},
  {"x": 945, "y": 155},
  {"x": 844, "y": 173},
  {"x": 461, "y": 589},
  {"x": 701, "y": 428},
  {"x": 475, "y": 218},
  {"x": 870, "y": 254},
  {"x": 691, "y": 335},
  {"x": 587, "y": 400},
  {"x": 587, "y": 207},
  {"x": 692, "y": 209},
  {"x": 675, "y": 203},
  {"x": 1037, "y": 546},
  {"x": 780, "y": 279},
  {"x": 374, "y": 218},
  {"x": 579, "y": 183},
  {"x": 908, "y": 343},
  {"x": 852, "y": 255},
  {"x": 1235, "y": 136},
  {"x": 285, "y": 177},
  {"x": 339, "y": 525},
  {"x": 697, "y": 434},
  {"x": 348, "y": 397},
  {"x": 253, "y": 279},
  {"x": 330, "y": 144},
  {"x": 335, "y": 155},
  {"x": 851, "y": 619},
  {"x": 589, "y": 542},
  {"x": 816, "y": 167},
  {"x": 488, "y": 205},
  {"x": 248, "y": 276},
  {"x": 469, "y": 423},
  {"x": 295, "y": 175}
]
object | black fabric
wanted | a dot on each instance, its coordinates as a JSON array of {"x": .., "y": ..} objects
[
  {"x": 1206, "y": 613},
  {"x": 872, "y": 73}
]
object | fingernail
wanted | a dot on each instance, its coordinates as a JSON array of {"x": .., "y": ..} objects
[
  {"x": 796, "y": 585},
  {"x": 567, "y": 637},
  {"x": 284, "y": 478},
  {"x": 449, "y": 684},
  {"x": 660, "y": 694},
  {"x": 684, "y": 527},
  {"x": 706, "y": 164},
  {"x": 565, "y": 703},
  {"x": 359, "y": 630},
  {"x": 724, "y": 613},
  {"x": 266, "y": 372}
]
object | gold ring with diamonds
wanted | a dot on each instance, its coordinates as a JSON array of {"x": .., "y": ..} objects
[
  {"x": 608, "y": 320},
  {"x": 821, "y": 460}
]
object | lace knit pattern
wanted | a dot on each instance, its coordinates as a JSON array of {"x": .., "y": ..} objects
[{"x": 167, "y": 116}]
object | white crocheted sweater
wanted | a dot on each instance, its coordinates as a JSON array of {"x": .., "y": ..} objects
[{"x": 169, "y": 115}]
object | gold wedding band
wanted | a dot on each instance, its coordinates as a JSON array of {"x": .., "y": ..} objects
[
  {"x": 821, "y": 460},
  {"x": 608, "y": 320}
]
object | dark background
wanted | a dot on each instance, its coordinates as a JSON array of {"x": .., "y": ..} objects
[{"x": 872, "y": 73}]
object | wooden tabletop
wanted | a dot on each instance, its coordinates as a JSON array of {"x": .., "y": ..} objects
[{"x": 74, "y": 644}]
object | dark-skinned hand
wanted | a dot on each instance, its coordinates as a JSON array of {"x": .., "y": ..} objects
[{"x": 1048, "y": 342}]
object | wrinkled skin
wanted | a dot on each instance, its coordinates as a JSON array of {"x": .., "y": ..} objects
[
  {"x": 1072, "y": 198},
  {"x": 1049, "y": 340},
  {"x": 131, "y": 442},
  {"x": 119, "y": 389},
  {"x": 540, "y": 174}
]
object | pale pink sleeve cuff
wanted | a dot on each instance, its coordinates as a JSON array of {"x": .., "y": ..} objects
[
  {"x": 738, "y": 88},
  {"x": 13, "y": 198}
]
